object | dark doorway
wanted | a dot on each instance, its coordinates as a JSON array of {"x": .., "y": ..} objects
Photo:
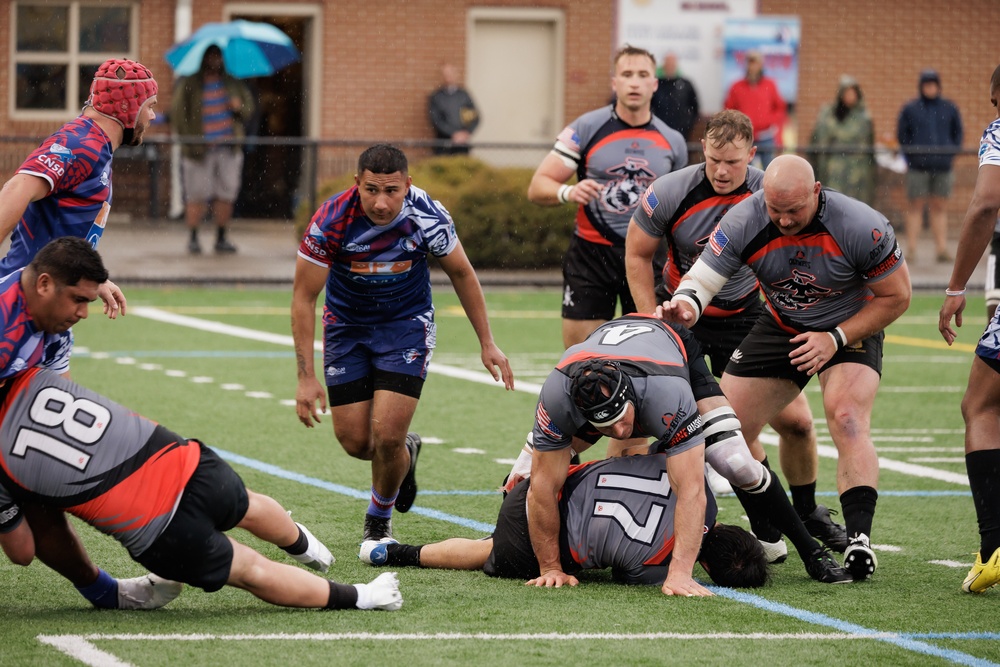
[{"x": 271, "y": 173}]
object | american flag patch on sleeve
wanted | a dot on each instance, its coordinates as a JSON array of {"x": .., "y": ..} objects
[
  {"x": 649, "y": 201},
  {"x": 718, "y": 241}
]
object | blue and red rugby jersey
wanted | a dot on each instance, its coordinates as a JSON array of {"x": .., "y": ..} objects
[
  {"x": 76, "y": 162},
  {"x": 23, "y": 346},
  {"x": 377, "y": 273}
]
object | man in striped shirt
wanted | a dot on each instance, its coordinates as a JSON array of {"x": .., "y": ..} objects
[{"x": 212, "y": 105}]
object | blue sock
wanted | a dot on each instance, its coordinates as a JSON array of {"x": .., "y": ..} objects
[
  {"x": 103, "y": 593},
  {"x": 380, "y": 506}
]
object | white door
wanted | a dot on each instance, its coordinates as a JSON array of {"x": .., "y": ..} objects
[{"x": 515, "y": 76}]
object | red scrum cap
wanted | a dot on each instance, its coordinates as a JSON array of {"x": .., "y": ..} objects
[{"x": 120, "y": 89}]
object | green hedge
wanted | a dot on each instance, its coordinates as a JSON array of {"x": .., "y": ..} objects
[{"x": 497, "y": 224}]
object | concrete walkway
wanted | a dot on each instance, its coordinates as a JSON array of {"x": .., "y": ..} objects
[{"x": 156, "y": 252}]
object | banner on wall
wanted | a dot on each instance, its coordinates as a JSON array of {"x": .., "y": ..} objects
[
  {"x": 691, "y": 29},
  {"x": 776, "y": 38}
]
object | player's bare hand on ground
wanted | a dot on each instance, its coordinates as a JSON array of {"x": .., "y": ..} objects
[
  {"x": 952, "y": 306},
  {"x": 684, "y": 586},
  {"x": 553, "y": 579},
  {"x": 815, "y": 349},
  {"x": 310, "y": 392}
]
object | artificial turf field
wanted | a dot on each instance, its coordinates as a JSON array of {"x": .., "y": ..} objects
[{"x": 217, "y": 364}]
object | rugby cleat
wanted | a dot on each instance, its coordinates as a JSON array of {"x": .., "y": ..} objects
[
  {"x": 776, "y": 552},
  {"x": 859, "y": 559},
  {"x": 316, "y": 555},
  {"x": 824, "y": 568},
  {"x": 408, "y": 489},
  {"x": 826, "y": 530},
  {"x": 983, "y": 575},
  {"x": 147, "y": 592},
  {"x": 376, "y": 528},
  {"x": 376, "y": 553},
  {"x": 381, "y": 593}
]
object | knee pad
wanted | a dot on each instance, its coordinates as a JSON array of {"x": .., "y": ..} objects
[{"x": 726, "y": 450}]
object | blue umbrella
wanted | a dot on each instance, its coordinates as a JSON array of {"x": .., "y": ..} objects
[{"x": 249, "y": 49}]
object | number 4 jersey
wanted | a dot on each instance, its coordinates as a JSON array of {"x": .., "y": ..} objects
[{"x": 66, "y": 446}]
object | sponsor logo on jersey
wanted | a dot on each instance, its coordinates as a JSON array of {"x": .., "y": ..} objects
[
  {"x": 544, "y": 422},
  {"x": 800, "y": 259},
  {"x": 649, "y": 201},
  {"x": 106, "y": 176},
  {"x": 983, "y": 147},
  {"x": 684, "y": 431},
  {"x": 718, "y": 241},
  {"x": 356, "y": 247},
  {"x": 411, "y": 355},
  {"x": 885, "y": 265},
  {"x": 334, "y": 371},
  {"x": 380, "y": 268},
  {"x": 408, "y": 244},
  {"x": 633, "y": 176},
  {"x": 59, "y": 149},
  {"x": 737, "y": 356}
]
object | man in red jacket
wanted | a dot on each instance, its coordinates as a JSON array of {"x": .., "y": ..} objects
[{"x": 757, "y": 96}]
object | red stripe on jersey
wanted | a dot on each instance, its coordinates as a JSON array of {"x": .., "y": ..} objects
[
  {"x": 672, "y": 274},
  {"x": 823, "y": 241},
  {"x": 583, "y": 356},
  {"x": 586, "y": 231},
  {"x": 150, "y": 492},
  {"x": 661, "y": 555},
  {"x": 711, "y": 202},
  {"x": 652, "y": 136}
]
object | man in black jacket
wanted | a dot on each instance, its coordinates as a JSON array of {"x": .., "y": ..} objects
[{"x": 453, "y": 113}]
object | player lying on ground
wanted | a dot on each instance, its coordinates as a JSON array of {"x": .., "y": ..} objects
[
  {"x": 617, "y": 513},
  {"x": 167, "y": 499}
]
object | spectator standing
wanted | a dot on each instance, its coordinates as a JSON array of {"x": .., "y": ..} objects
[
  {"x": 929, "y": 133},
  {"x": 979, "y": 405},
  {"x": 615, "y": 152},
  {"x": 212, "y": 105},
  {"x": 675, "y": 101},
  {"x": 846, "y": 136},
  {"x": 757, "y": 96},
  {"x": 453, "y": 113}
]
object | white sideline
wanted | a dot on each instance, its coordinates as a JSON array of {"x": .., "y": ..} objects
[{"x": 81, "y": 648}]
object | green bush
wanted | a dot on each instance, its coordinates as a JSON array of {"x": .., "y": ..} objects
[{"x": 497, "y": 224}]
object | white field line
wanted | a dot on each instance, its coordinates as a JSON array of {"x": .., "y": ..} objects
[
  {"x": 81, "y": 648},
  {"x": 532, "y": 388}
]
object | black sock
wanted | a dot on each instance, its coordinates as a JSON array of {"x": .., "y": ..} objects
[
  {"x": 804, "y": 498},
  {"x": 342, "y": 596},
  {"x": 299, "y": 546},
  {"x": 194, "y": 233},
  {"x": 774, "y": 502},
  {"x": 221, "y": 231},
  {"x": 858, "y": 504},
  {"x": 402, "y": 555},
  {"x": 760, "y": 525},
  {"x": 983, "y": 468}
]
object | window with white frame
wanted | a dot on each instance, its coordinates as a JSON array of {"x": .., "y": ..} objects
[{"x": 57, "y": 47}]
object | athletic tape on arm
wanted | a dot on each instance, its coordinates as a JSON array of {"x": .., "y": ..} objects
[{"x": 699, "y": 286}]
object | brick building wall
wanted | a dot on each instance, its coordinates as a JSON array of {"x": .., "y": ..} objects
[{"x": 378, "y": 65}]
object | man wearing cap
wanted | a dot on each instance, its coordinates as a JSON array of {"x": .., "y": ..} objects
[
  {"x": 64, "y": 189},
  {"x": 929, "y": 133}
]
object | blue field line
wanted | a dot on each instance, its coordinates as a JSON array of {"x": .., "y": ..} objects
[
  {"x": 904, "y": 641},
  {"x": 346, "y": 490},
  {"x": 192, "y": 354}
]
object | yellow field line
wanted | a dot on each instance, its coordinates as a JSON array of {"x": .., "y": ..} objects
[{"x": 930, "y": 344}]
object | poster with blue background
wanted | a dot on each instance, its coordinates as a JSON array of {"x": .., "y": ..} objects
[{"x": 776, "y": 38}]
